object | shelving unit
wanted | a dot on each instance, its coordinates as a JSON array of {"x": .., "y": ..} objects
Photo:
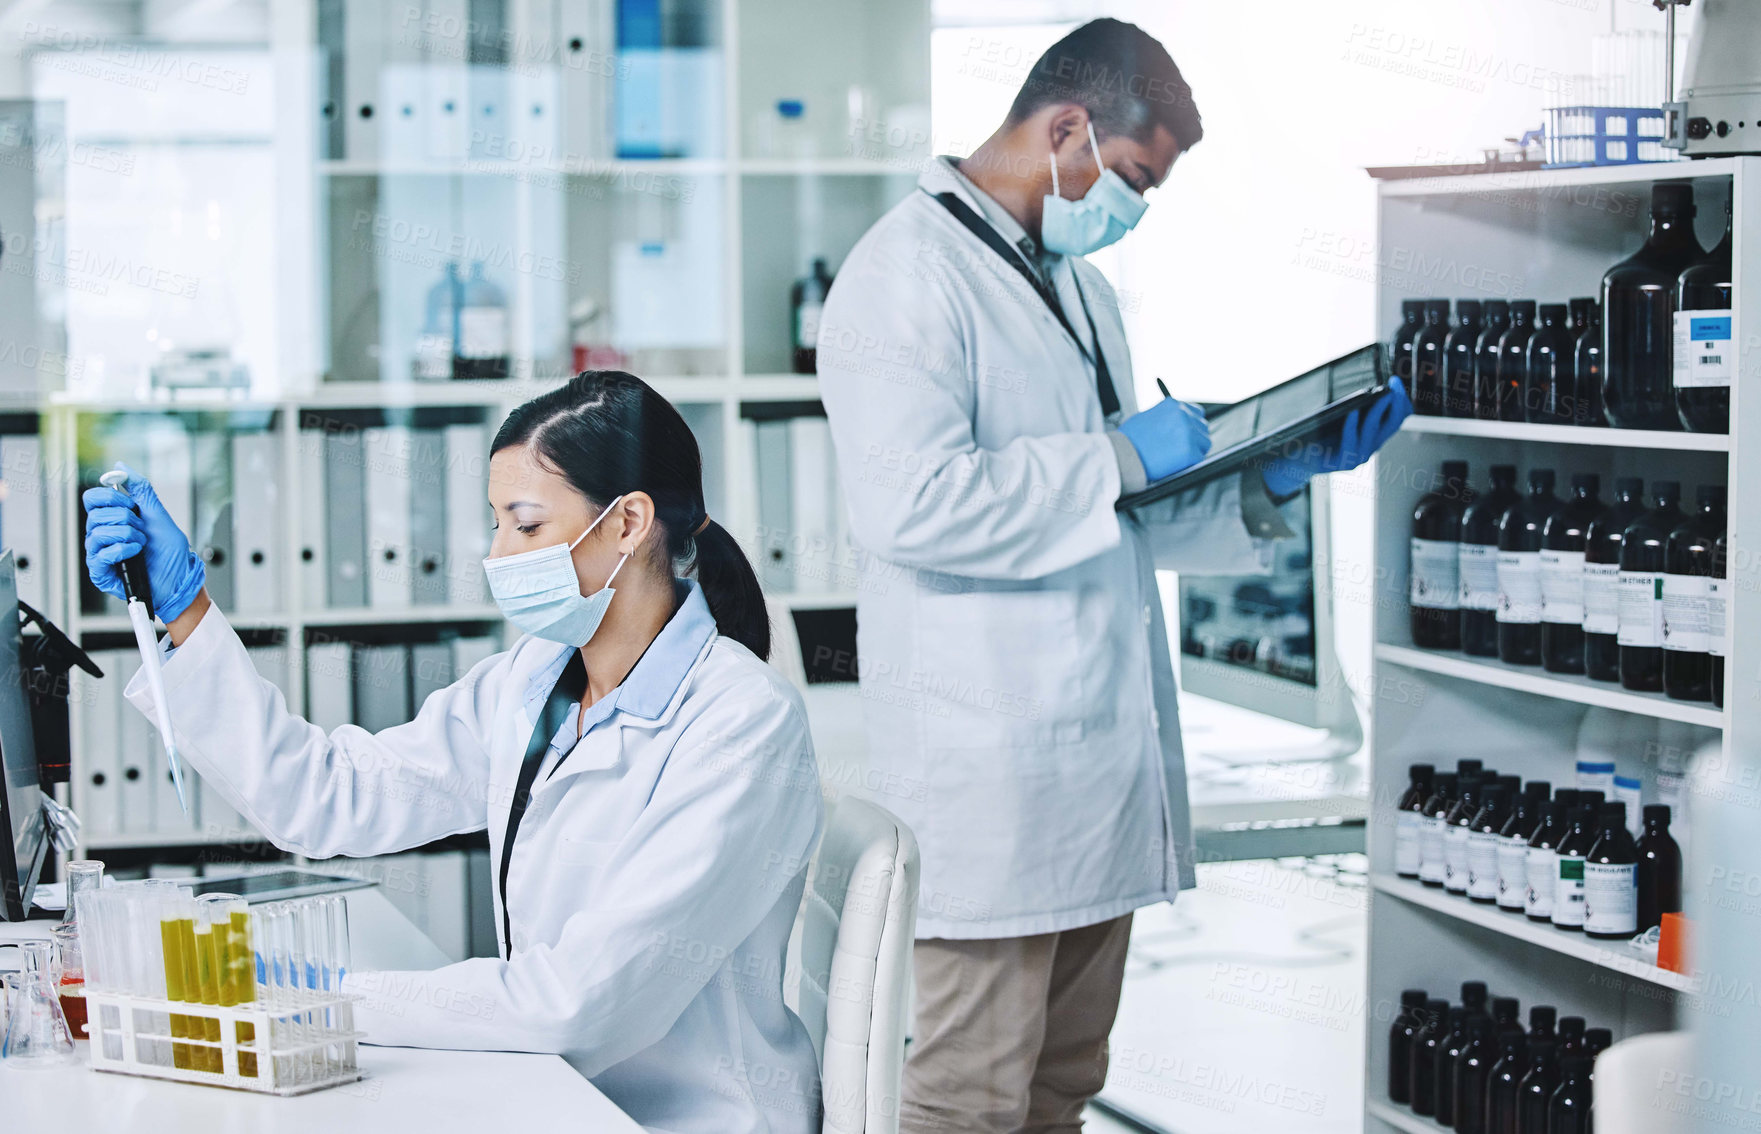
[
  {"x": 1551, "y": 235},
  {"x": 355, "y": 261}
]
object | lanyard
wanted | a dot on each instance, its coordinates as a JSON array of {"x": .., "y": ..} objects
[
  {"x": 993, "y": 240},
  {"x": 564, "y": 697}
]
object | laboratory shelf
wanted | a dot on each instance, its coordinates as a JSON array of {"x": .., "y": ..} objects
[
  {"x": 1400, "y": 1118},
  {"x": 833, "y": 167},
  {"x": 1611, "y": 955},
  {"x": 778, "y": 387},
  {"x": 119, "y": 623},
  {"x": 116, "y": 840},
  {"x": 399, "y": 615},
  {"x": 552, "y": 164},
  {"x": 1562, "y": 687},
  {"x": 486, "y": 392},
  {"x": 1553, "y": 180},
  {"x": 1570, "y": 434}
]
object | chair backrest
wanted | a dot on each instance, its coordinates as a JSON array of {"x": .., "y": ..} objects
[
  {"x": 1636, "y": 1081},
  {"x": 857, "y": 923}
]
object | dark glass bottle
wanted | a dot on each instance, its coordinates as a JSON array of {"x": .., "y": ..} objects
[
  {"x": 1660, "y": 868},
  {"x": 1473, "y": 1071},
  {"x": 1549, "y": 385},
  {"x": 1473, "y": 998},
  {"x": 1479, "y": 563},
  {"x": 1482, "y": 844},
  {"x": 1435, "y": 576},
  {"x": 1436, "y": 819},
  {"x": 1469, "y": 793},
  {"x": 1468, "y": 766},
  {"x": 1568, "y": 890},
  {"x": 1688, "y": 566},
  {"x": 1597, "y": 1041},
  {"x": 1587, "y": 369},
  {"x": 1519, "y": 571},
  {"x": 1425, "y": 1046},
  {"x": 1412, "y": 317},
  {"x": 1704, "y": 355},
  {"x": 1611, "y": 886},
  {"x": 1400, "y": 1037},
  {"x": 1448, "y": 1052},
  {"x": 1409, "y": 819},
  {"x": 1535, "y": 1092},
  {"x": 1427, "y": 359},
  {"x": 1541, "y": 1021},
  {"x": 1602, "y": 579},
  {"x": 1642, "y": 561},
  {"x": 1513, "y": 847},
  {"x": 1497, "y": 321},
  {"x": 1571, "y": 1035},
  {"x": 1542, "y": 861},
  {"x": 1507, "y": 1077},
  {"x": 1569, "y": 1110},
  {"x": 1506, "y": 394},
  {"x": 1458, "y": 360},
  {"x": 1507, "y": 1014},
  {"x": 1637, "y": 332},
  {"x": 806, "y": 305},
  {"x": 1562, "y": 576},
  {"x": 1717, "y": 616}
]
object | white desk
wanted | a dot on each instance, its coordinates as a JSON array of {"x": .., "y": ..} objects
[{"x": 435, "y": 1092}]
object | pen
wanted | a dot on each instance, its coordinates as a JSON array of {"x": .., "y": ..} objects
[{"x": 1163, "y": 386}]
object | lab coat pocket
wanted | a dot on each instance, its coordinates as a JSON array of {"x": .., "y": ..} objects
[{"x": 1000, "y": 668}]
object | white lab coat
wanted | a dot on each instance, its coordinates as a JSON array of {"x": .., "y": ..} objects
[
  {"x": 1015, "y": 671},
  {"x": 654, "y": 881}
]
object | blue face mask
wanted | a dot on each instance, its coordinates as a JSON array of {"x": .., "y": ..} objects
[
  {"x": 1109, "y": 210},
  {"x": 539, "y": 592}
]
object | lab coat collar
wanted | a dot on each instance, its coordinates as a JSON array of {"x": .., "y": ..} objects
[{"x": 651, "y": 688}]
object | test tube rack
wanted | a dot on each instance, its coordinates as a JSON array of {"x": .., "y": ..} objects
[{"x": 295, "y": 1047}]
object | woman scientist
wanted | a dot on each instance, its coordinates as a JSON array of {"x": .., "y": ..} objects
[{"x": 647, "y": 781}]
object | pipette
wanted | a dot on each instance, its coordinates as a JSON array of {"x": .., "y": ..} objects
[{"x": 140, "y": 616}]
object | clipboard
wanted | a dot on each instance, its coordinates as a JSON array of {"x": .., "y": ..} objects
[{"x": 1302, "y": 409}]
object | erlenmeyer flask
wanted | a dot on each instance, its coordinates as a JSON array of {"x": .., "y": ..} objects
[{"x": 36, "y": 1030}]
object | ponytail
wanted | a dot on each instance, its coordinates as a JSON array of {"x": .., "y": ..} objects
[{"x": 609, "y": 433}]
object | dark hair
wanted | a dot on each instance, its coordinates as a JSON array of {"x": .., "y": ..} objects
[
  {"x": 1121, "y": 75},
  {"x": 609, "y": 433}
]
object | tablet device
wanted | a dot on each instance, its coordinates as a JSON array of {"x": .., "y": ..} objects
[{"x": 1306, "y": 408}]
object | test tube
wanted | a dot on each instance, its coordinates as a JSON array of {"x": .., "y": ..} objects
[
  {"x": 341, "y": 1017},
  {"x": 228, "y": 919},
  {"x": 146, "y": 955},
  {"x": 272, "y": 932},
  {"x": 83, "y": 875}
]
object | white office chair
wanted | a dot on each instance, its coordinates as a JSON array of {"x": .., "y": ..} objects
[
  {"x": 857, "y": 923},
  {"x": 1634, "y": 1085}
]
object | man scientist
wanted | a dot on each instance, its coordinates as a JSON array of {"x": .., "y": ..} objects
[{"x": 1018, "y": 692}]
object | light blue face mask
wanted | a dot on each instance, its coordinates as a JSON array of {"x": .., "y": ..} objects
[
  {"x": 539, "y": 592},
  {"x": 1109, "y": 210}
]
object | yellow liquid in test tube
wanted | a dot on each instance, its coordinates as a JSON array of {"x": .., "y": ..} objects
[
  {"x": 208, "y": 982},
  {"x": 238, "y": 979},
  {"x": 172, "y": 940}
]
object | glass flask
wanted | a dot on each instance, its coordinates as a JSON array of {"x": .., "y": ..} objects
[{"x": 36, "y": 1030}]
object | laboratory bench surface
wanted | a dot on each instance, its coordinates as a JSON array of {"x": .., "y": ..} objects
[{"x": 435, "y": 1092}]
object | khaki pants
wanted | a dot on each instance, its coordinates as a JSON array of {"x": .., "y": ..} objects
[{"x": 1011, "y": 1034}]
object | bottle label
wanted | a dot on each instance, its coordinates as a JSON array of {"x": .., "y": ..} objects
[
  {"x": 483, "y": 332},
  {"x": 1611, "y": 898},
  {"x": 1716, "y": 614},
  {"x": 1479, "y": 576},
  {"x": 1641, "y": 608},
  {"x": 1568, "y": 891},
  {"x": 1436, "y": 574},
  {"x": 1601, "y": 598},
  {"x": 807, "y": 324},
  {"x": 1703, "y": 354},
  {"x": 433, "y": 358},
  {"x": 1562, "y": 587},
  {"x": 1519, "y": 586},
  {"x": 1431, "y": 850},
  {"x": 1407, "y": 825},
  {"x": 1542, "y": 867},
  {"x": 1455, "y": 867},
  {"x": 1513, "y": 877},
  {"x": 1686, "y": 625},
  {"x": 1482, "y": 865}
]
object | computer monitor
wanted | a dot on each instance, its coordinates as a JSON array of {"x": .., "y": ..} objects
[
  {"x": 1263, "y": 642},
  {"x": 21, "y": 806}
]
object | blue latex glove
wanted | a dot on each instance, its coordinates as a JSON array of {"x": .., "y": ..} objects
[
  {"x": 115, "y": 532},
  {"x": 1169, "y": 436},
  {"x": 1358, "y": 440}
]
